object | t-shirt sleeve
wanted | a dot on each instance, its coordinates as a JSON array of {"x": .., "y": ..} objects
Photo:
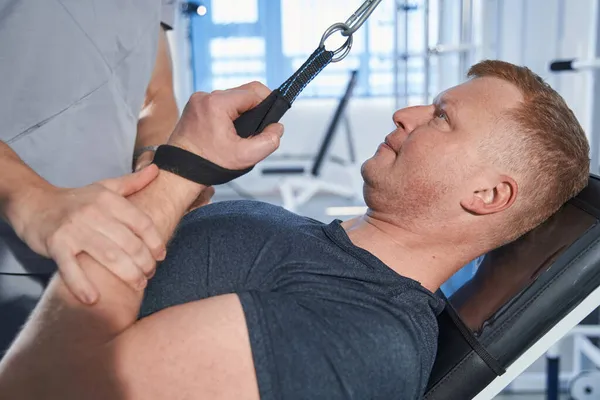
[
  {"x": 168, "y": 14},
  {"x": 309, "y": 348}
]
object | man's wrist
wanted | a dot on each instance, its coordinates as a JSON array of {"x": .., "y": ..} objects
[{"x": 167, "y": 199}]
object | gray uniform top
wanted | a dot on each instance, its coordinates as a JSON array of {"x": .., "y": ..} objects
[{"x": 73, "y": 75}]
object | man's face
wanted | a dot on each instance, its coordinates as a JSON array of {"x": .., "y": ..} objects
[{"x": 434, "y": 158}]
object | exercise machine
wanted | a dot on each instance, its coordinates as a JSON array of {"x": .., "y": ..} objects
[
  {"x": 522, "y": 300},
  {"x": 299, "y": 184}
]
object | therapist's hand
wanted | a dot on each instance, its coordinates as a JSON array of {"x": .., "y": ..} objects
[
  {"x": 98, "y": 220},
  {"x": 206, "y": 127}
]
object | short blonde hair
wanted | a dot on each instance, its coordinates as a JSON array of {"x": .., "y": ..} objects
[{"x": 552, "y": 150}]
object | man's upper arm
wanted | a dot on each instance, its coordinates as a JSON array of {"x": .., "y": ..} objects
[
  {"x": 292, "y": 346},
  {"x": 161, "y": 81},
  {"x": 195, "y": 350}
]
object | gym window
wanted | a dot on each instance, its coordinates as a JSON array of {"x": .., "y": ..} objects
[{"x": 242, "y": 40}]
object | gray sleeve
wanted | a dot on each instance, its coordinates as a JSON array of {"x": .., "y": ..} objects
[
  {"x": 307, "y": 348},
  {"x": 168, "y": 13}
]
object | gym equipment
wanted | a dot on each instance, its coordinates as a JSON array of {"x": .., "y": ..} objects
[
  {"x": 270, "y": 110},
  {"x": 524, "y": 297},
  {"x": 299, "y": 184},
  {"x": 280, "y": 100},
  {"x": 585, "y": 386}
]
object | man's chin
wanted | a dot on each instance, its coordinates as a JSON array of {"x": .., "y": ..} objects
[{"x": 368, "y": 171}]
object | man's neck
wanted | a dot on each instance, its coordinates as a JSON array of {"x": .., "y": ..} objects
[{"x": 423, "y": 256}]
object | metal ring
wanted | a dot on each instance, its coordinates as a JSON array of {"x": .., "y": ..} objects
[{"x": 343, "y": 49}]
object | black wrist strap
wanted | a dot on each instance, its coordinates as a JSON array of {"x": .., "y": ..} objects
[
  {"x": 204, "y": 172},
  {"x": 193, "y": 167}
]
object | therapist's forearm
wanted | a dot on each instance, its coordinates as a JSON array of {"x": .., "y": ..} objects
[
  {"x": 165, "y": 200},
  {"x": 63, "y": 336},
  {"x": 20, "y": 186},
  {"x": 157, "y": 120},
  {"x": 159, "y": 113}
]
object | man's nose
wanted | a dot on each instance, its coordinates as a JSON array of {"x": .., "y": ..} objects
[{"x": 410, "y": 118}]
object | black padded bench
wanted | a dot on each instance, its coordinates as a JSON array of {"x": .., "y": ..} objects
[{"x": 523, "y": 298}]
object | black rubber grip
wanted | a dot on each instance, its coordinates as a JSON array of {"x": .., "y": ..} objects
[
  {"x": 562, "y": 65},
  {"x": 271, "y": 110}
]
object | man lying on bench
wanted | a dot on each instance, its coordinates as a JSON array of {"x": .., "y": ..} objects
[{"x": 256, "y": 302}]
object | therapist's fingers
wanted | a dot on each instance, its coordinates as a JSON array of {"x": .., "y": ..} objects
[
  {"x": 129, "y": 184},
  {"x": 123, "y": 240},
  {"x": 74, "y": 277},
  {"x": 114, "y": 258}
]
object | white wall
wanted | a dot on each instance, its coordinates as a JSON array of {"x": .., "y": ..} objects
[{"x": 535, "y": 32}]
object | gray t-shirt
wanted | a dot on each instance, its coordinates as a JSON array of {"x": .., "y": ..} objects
[
  {"x": 327, "y": 320},
  {"x": 73, "y": 75}
]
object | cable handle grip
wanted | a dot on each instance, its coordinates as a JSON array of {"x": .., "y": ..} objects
[
  {"x": 270, "y": 110},
  {"x": 280, "y": 100},
  {"x": 561, "y": 65}
]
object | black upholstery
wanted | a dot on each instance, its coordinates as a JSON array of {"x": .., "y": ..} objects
[{"x": 519, "y": 292}]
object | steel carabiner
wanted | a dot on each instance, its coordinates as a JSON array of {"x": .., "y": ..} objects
[
  {"x": 360, "y": 16},
  {"x": 349, "y": 27}
]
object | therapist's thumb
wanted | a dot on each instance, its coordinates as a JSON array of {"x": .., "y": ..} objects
[
  {"x": 262, "y": 145},
  {"x": 131, "y": 183}
]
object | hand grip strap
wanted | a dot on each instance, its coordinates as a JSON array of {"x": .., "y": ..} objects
[
  {"x": 280, "y": 100},
  {"x": 193, "y": 167},
  {"x": 197, "y": 169}
]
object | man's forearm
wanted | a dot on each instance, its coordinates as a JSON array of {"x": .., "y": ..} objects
[
  {"x": 19, "y": 185},
  {"x": 60, "y": 320}
]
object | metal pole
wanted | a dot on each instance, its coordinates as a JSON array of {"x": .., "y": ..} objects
[
  {"x": 426, "y": 60},
  {"x": 396, "y": 54},
  {"x": 560, "y": 35},
  {"x": 524, "y": 26},
  {"x": 499, "y": 28},
  {"x": 406, "y": 9},
  {"x": 552, "y": 372},
  {"x": 440, "y": 42},
  {"x": 466, "y": 16}
]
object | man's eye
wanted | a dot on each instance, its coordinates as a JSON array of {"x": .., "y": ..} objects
[{"x": 442, "y": 115}]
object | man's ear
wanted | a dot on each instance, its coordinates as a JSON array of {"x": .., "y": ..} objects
[{"x": 492, "y": 199}]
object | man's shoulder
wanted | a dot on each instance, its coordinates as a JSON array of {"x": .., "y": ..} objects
[
  {"x": 247, "y": 216},
  {"x": 370, "y": 348},
  {"x": 397, "y": 344},
  {"x": 243, "y": 209}
]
